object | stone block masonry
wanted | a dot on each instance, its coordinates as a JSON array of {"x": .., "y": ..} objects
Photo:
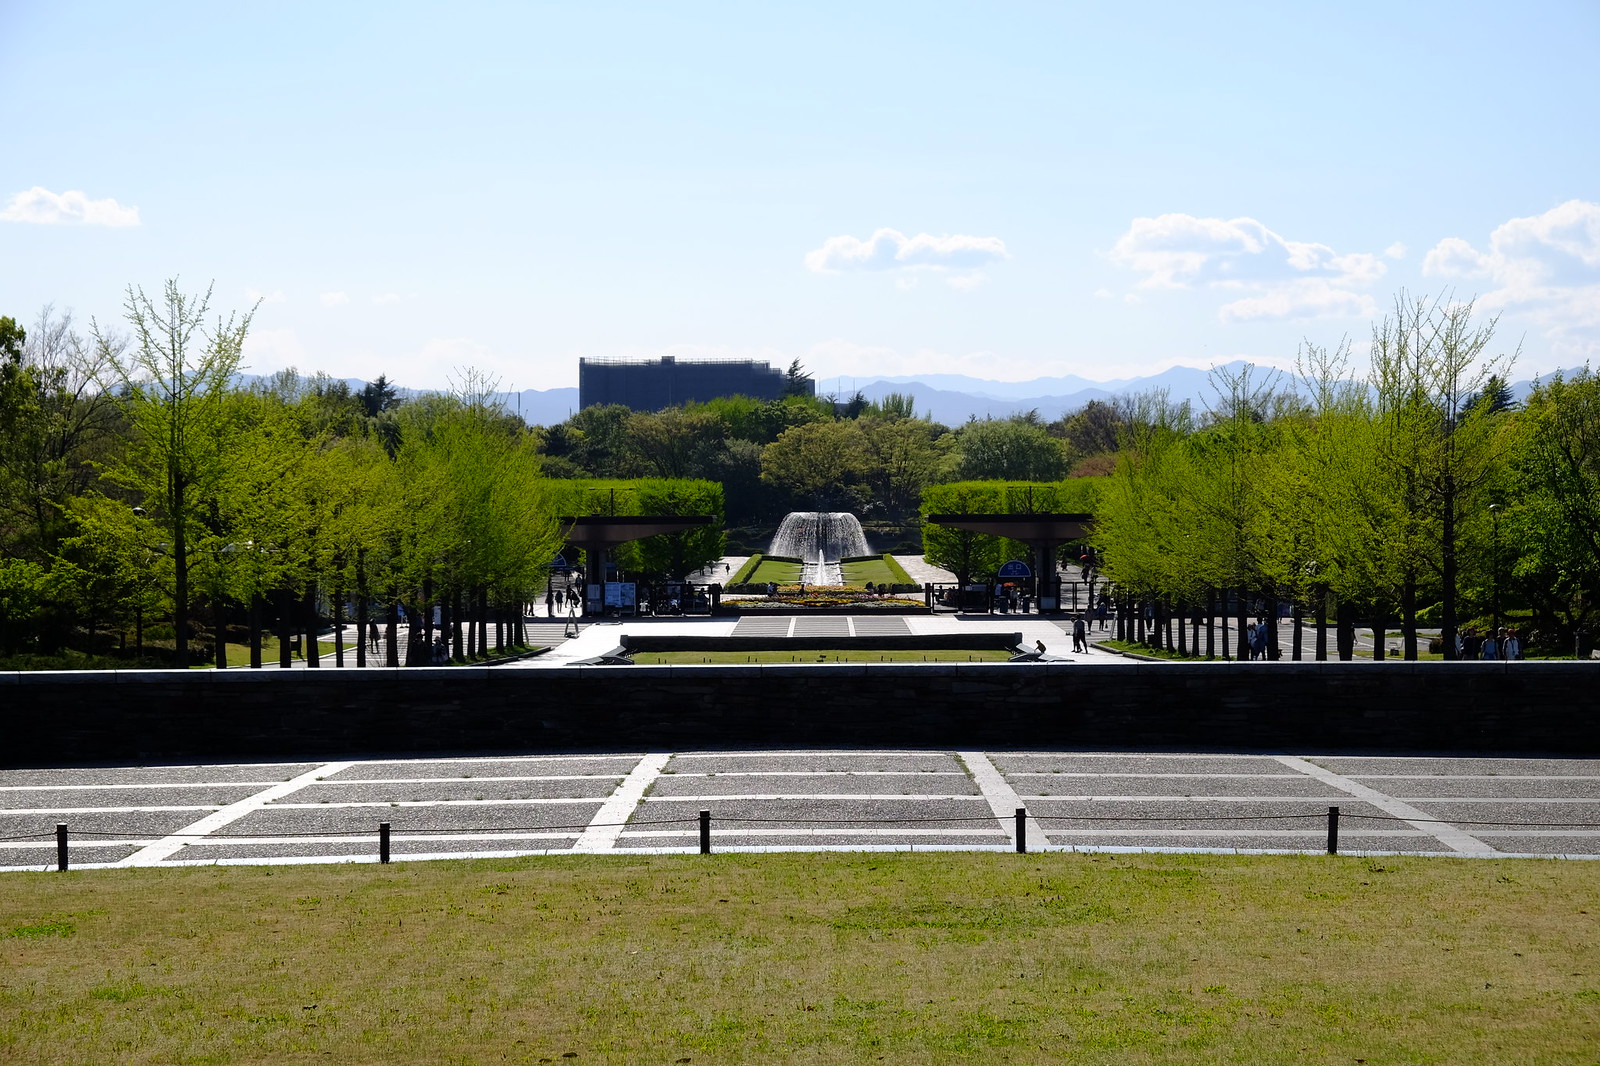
[{"x": 149, "y": 716}]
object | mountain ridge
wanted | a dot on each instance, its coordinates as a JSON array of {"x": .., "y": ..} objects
[{"x": 937, "y": 398}]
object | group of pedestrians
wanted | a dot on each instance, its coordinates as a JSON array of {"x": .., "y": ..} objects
[{"x": 1503, "y": 643}]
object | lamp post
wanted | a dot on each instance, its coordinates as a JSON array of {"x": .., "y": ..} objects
[{"x": 1494, "y": 629}]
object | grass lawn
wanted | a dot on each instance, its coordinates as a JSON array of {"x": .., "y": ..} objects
[
  {"x": 239, "y": 654},
  {"x": 874, "y": 570},
  {"x": 931, "y": 958},
  {"x": 833, "y": 655},
  {"x": 775, "y": 570}
]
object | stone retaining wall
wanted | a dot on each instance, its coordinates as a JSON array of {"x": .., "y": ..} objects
[{"x": 132, "y": 717}]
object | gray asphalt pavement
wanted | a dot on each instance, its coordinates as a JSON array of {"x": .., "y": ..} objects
[{"x": 322, "y": 811}]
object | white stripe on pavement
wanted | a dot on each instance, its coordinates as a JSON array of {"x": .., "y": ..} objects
[
  {"x": 1448, "y": 835},
  {"x": 606, "y": 825},
  {"x": 161, "y": 849},
  {"x": 1003, "y": 799}
]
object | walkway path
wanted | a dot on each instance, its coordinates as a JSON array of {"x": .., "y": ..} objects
[{"x": 603, "y": 803}]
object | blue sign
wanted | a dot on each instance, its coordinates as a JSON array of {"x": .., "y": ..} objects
[
  {"x": 1015, "y": 568},
  {"x": 559, "y": 562}
]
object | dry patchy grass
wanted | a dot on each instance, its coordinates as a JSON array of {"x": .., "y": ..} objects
[{"x": 927, "y": 958}]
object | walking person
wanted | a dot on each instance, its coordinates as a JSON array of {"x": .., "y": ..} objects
[
  {"x": 1491, "y": 646},
  {"x": 1080, "y": 635},
  {"x": 1511, "y": 646}
]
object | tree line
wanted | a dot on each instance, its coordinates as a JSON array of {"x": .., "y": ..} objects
[
  {"x": 144, "y": 488},
  {"x": 141, "y": 479},
  {"x": 1419, "y": 495},
  {"x": 803, "y": 453}
]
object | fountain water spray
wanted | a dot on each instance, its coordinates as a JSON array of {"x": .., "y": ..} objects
[{"x": 819, "y": 539}]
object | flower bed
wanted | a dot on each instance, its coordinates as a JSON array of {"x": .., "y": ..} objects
[{"x": 824, "y": 597}]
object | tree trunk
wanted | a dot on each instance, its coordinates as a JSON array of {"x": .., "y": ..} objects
[
  {"x": 313, "y": 655},
  {"x": 1346, "y": 614},
  {"x": 338, "y": 627},
  {"x": 1225, "y": 654},
  {"x": 1211, "y": 622},
  {"x": 1298, "y": 639},
  {"x": 180, "y": 571},
  {"x": 457, "y": 639},
  {"x": 427, "y": 615},
  {"x": 1322, "y": 623},
  {"x": 392, "y": 631},
  {"x": 219, "y": 612},
  {"x": 1408, "y": 617},
  {"x": 255, "y": 630},
  {"x": 483, "y": 620},
  {"x": 361, "y": 607},
  {"x": 1447, "y": 541},
  {"x": 1274, "y": 651},
  {"x": 285, "y": 629},
  {"x": 1242, "y": 619}
]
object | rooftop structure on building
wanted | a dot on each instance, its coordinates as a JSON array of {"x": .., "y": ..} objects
[{"x": 652, "y": 384}]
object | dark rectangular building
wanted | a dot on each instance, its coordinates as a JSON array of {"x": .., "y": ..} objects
[{"x": 651, "y": 384}]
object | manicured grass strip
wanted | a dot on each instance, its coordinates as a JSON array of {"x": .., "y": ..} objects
[
  {"x": 781, "y": 571},
  {"x": 863, "y": 570},
  {"x": 837, "y": 655},
  {"x": 945, "y": 958}
]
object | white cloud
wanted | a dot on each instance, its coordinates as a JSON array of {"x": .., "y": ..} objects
[
  {"x": 1311, "y": 298},
  {"x": 73, "y": 207},
  {"x": 1281, "y": 278},
  {"x": 334, "y": 299},
  {"x": 1546, "y": 266},
  {"x": 253, "y": 296},
  {"x": 1395, "y": 251},
  {"x": 889, "y": 249}
]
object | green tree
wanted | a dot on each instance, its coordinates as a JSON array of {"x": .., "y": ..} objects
[
  {"x": 1010, "y": 450},
  {"x": 176, "y": 375},
  {"x": 903, "y": 456},
  {"x": 1554, "y": 522},
  {"x": 820, "y": 465},
  {"x": 57, "y": 423},
  {"x": 796, "y": 382},
  {"x": 1429, "y": 361}
]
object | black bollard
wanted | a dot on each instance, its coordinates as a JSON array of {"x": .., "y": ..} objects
[
  {"x": 61, "y": 846},
  {"x": 705, "y": 832},
  {"x": 383, "y": 841},
  {"x": 1022, "y": 830},
  {"x": 1333, "y": 830}
]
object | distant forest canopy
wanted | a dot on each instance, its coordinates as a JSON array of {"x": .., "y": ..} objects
[{"x": 135, "y": 468}]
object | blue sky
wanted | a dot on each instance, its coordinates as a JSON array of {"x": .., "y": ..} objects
[{"x": 1004, "y": 190}]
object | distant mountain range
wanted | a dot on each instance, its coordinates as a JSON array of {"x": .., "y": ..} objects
[{"x": 952, "y": 398}]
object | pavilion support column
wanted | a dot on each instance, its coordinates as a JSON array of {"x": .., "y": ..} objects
[{"x": 1044, "y": 565}]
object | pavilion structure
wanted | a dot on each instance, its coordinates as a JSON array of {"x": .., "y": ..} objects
[
  {"x": 1043, "y": 533},
  {"x": 599, "y": 535}
]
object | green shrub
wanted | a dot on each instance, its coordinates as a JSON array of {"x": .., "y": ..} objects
[{"x": 742, "y": 575}]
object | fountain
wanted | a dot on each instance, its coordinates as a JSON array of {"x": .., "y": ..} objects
[{"x": 819, "y": 539}]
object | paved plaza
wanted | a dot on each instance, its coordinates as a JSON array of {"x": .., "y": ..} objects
[{"x": 618, "y": 803}]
